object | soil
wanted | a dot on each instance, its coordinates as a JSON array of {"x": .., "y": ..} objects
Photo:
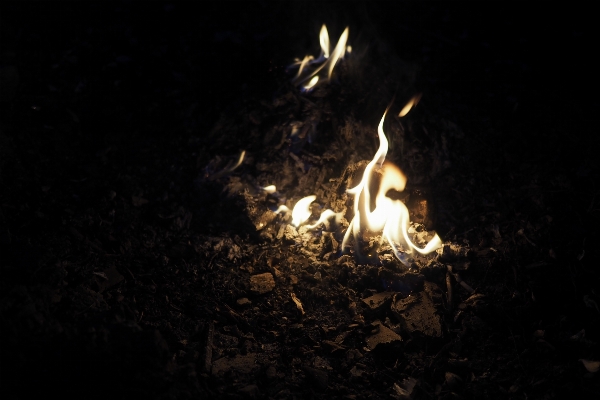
[{"x": 142, "y": 256}]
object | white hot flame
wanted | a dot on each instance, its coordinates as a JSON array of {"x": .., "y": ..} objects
[
  {"x": 301, "y": 212},
  {"x": 270, "y": 189},
  {"x": 324, "y": 40},
  {"x": 311, "y": 83}
]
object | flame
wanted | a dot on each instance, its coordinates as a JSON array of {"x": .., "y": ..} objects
[
  {"x": 326, "y": 61},
  {"x": 389, "y": 216},
  {"x": 282, "y": 209},
  {"x": 301, "y": 212},
  {"x": 270, "y": 189},
  {"x": 311, "y": 83},
  {"x": 324, "y": 40},
  {"x": 303, "y": 64},
  {"x": 411, "y": 103},
  {"x": 338, "y": 52},
  {"x": 324, "y": 219}
]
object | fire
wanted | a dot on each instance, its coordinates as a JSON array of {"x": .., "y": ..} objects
[
  {"x": 390, "y": 217},
  {"x": 411, "y": 103},
  {"x": 384, "y": 216},
  {"x": 309, "y": 69}
]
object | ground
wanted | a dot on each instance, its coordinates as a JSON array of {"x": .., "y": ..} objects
[{"x": 136, "y": 262}]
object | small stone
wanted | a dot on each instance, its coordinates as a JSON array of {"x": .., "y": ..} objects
[
  {"x": 271, "y": 372},
  {"x": 243, "y": 302},
  {"x": 378, "y": 300},
  {"x": 382, "y": 336},
  {"x": 290, "y": 234},
  {"x": 317, "y": 377},
  {"x": 261, "y": 221},
  {"x": 417, "y": 313},
  {"x": 108, "y": 278},
  {"x": 453, "y": 381},
  {"x": 245, "y": 364},
  {"x": 250, "y": 392},
  {"x": 262, "y": 283}
]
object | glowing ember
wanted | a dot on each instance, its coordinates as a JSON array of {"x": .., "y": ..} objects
[
  {"x": 389, "y": 216},
  {"x": 309, "y": 69}
]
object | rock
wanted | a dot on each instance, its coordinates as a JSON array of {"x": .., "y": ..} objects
[
  {"x": 271, "y": 372},
  {"x": 378, "y": 300},
  {"x": 108, "y": 278},
  {"x": 383, "y": 336},
  {"x": 290, "y": 234},
  {"x": 262, "y": 283},
  {"x": 242, "y": 363},
  {"x": 332, "y": 347},
  {"x": 250, "y": 392},
  {"x": 453, "y": 381},
  {"x": 262, "y": 220},
  {"x": 405, "y": 389},
  {"x": 318, "y": 378},
  {"x": 243, "y": 302},
  {"x": 417, "y": 313},
  {"x": 357, "y": 372}
]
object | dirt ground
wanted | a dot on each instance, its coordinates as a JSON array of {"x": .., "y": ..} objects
[{"x": 138, "y": 259}]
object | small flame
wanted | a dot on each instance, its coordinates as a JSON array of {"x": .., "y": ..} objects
[
  {"x": 270, "y": 189},
  {"x": 311, "y": 83},
  {"x": 282, "y": 209},
  {"x": 303, "y": 64},
  {"x": 338, "y": 52},
  {"x": 324, "y": 40},
  {"x": 301, "y": 212},
  {"x": 323, "y": 219},
  {"x": 310, "y": 68},
  {"x": 411, "y": 103}
]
